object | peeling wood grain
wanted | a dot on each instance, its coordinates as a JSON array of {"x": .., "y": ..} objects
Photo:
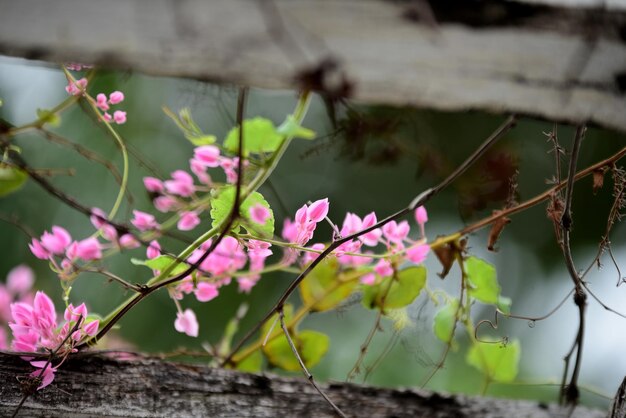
[
  {"x": 94, "y": 386},
  {"x": 556, "y": 61}
]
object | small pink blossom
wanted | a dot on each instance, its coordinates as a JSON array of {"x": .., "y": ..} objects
[
  {"x": 246, "y": 283},
  {"x": 116, "y": 97},
  {"x": 107, "y": 117},
  {"x": 101, "y": 102},
  {"x": 78, "y": 88},
  {"x": 129, "y": 242},
  {"x": 187, "y": 323},
  {"x": 57, "y": 241},
  {"x": 153, "y": 250},
  {"x": 206, "y": 291},
  {"x": 421, "y": 216},
  {"x": 38, "y": 250},
  {"x": 188, "y": 221},
  {"x": 20, "y": 279},
  {"x": 368, "y": 279},
  {"x": 371, "y": 238},
  {"x": 181, "y": 184},
  {"x": 310, "y": 256},
  {"x": 91, "y": 328},
  {"x": 418, "y": 253},
  {"x": 153, "y": 184},
  {"x": 208, "y": 155},
  {"x": 98, "y": 217},
  {"x": 259, "y": 214},
  {"x": 165, "y": 204},
  {"x": 47, "y": 376},
  {"x": 383, "y": 268},
  {"x": 119, "y": 116},
  {"x": 144, "y": 221},
  {"x": 318, "y": 210},
  {"x": 200, "y": 170},
  {"x": 89, "y": 249},
  {"x": 396, "y": 232}
]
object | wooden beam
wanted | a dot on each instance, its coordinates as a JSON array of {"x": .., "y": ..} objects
[
  {"x": 554, "y": 59},
  {"x": 93, "y": 386}
]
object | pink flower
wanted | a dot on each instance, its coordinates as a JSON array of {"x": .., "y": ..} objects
[
  {"x": 129, "y": 242},
  {"x": 89, "y": 249},
  {"x": 181, "y": 184},
  {"x": 246, "y": 283},
  {"x": 206, "y": 291},
  {"x": 395, "y": 232},
  {"x": 107, "y": 117},
  {"x": 310, "y": 256},
  {"x": 383, "y": 268},
  {"x": 57, "y": 241},
  {"x": 421, "y": 216},
  {"x": 72, "y": 313},
  {"x": 47, "y": 376},
  {"x": 200, "y": 170},
  {"x": 153, "y": 250},
  {"x": 371, "y": 238},
  {"x": 418, "y": 253},
  {"x": 187, "y": 323},
  {"x": 116, "y": 97},
  {"x": 91, "y": 328},
  {"x": 368, "y": 279},
  {"x": 101, "y": 102},
  {"x": 290, "y": 230},
  {"x": 188, "y": 221},
  {"x": 153, "y": 184},
  {"x": 119, "y": 116},
  {"x": 259, "y": 214},
  {"x": 318, "y": 210},
  {"x": 165, "y": 204},
  {"x": 97, "y": 218},
  {"x": 78, "y": 88},
  {"x": 38, "y": 250},
  {"x": 20, "y": 279},
  {"x": 207, "y": 155},
  {"x": 143, "y": 221}
]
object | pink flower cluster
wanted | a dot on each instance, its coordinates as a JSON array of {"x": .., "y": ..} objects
[
  {"x": 59, "y": 243},
  {"x": 79, "y": 87},
  {"x": 34, "y": 327}
]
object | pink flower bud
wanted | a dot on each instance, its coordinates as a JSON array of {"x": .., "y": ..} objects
[
  {"x": 418, "y": 253},
  {"x": 187, "y": 323},
  {"x": 38, "y": 250},
  {"x": 208, "y": 155},
  {"x": 20, "y": 279},
  {"x": 153, "y": 184},
  {"x": 383, "y": 268},
  {"x": 153, "y": 250},
  {"x": 128, "y": 241},
  {"x": 188, "y": 221},
  {"x": 165, "y": 204},
  {"x": 206, "y": 291},
  {"x": 368, "y": 279},
  {"x": 101, "y": 102},
  {"x": 143, "y": 221},
  {"x": 107, "y": 117},
  {"x": 119, "y": 116},
  {"x": 181, "y": 184},
  {"x": 91, "y": 328},
  {"x": 89, "y": 249},
  {"x": 318, "y": 210},
  {"x": 421, "y": 216},
  {"x": 116, "y": 97}
]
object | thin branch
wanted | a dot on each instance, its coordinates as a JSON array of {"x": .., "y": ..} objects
[{"x": 306, "y": 372}]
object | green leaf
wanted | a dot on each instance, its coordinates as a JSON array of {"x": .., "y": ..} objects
[
  {"x": 445, "y": 320},
  {"x": 259, "y": 136},
  {"x": 504, "y": 304},
  {"x": 11, "y": 179},
  {"x": 483, "y": 281},
  {"x": 47, "y": 117},
  {"x": 252, "y": 363},
  {"x": 498, "y": 362},
  {"x": 222, "y": 205},
  {"x": 161, "y": 263},
  {"x": 311, "y": 346},
  {"x": 291, "y": 128},
  {"x": 314, "y": 287},
  {"x": 404, "y": 289}
]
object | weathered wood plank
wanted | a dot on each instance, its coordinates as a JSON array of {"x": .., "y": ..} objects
[
  {"x": 563, "y": 63},
  {"x": 95, "y": 386}
]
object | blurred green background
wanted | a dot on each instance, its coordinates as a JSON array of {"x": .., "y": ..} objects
[{"x": 377, "y": 161}]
